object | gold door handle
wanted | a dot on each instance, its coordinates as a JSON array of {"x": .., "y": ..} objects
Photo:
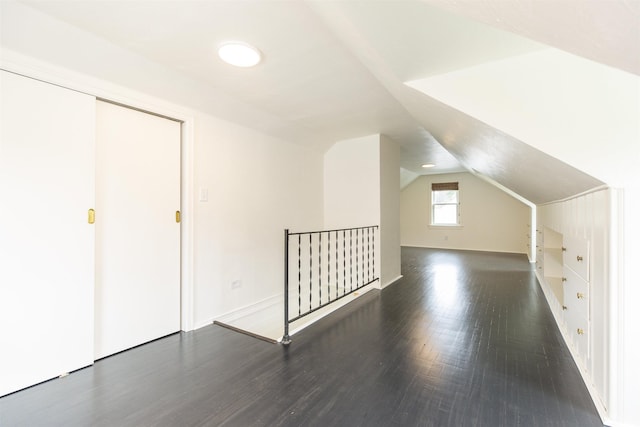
[
  {"x": 91, "y": 217},
  {"x": 579, "y": 295},
  {"x": 178, "y": 216}
]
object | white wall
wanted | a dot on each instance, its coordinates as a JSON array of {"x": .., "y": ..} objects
[
  {"x": 257, "y": 187},
  {"x": 389, "y": 210},
  {"x": 361, "y": 187},
  {"x": 491, "y": 220},
  {"x": 352, "y": 183}
]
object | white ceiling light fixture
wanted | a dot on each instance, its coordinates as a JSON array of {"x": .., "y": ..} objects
[
  {"x": 238, "y": 53},
  {"x": 428, "y": 165}
]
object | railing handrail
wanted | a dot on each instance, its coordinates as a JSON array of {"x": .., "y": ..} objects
[{"x": 333, "y": 231}]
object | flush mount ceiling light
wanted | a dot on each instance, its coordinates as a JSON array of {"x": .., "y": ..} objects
[
  {"x": 428, "y": 165},
  {"x": 240, "y": 54}
]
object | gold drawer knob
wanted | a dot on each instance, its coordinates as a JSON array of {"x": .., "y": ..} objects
[
  {"x": 579, "y": 258},
  {"x": 564, "y": 307},
  {"x": 564, "y": 249},
  {"x": 564, "y": 279},
  {"x": 580, "y": 295},
  {"x": 580, "y": 331}
]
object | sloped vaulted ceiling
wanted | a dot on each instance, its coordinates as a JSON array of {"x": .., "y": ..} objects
[
  {"x": 486, "y": 149},
  {"x": 448, "y": 80}
]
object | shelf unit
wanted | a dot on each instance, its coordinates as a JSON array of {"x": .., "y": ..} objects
[{"x": 553, "y": 262}]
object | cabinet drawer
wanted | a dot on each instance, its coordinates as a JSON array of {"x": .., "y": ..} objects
[
  {"x": 576, "y": 292},
  {"x": 581, "y": 342},
  {"x": 576, "y": 314},
  {"x": 576, "y": 255}
]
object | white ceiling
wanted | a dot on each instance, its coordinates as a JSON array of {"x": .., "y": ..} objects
[
  {"x": 604, "y": 31},
  {"x": 335, "y": 70}
]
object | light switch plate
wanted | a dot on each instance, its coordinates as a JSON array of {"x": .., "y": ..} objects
[{"x": 204, "y": 194}]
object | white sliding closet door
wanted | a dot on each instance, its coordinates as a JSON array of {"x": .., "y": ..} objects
[
  {"x": 46, "y": 243},
  {"x": 138, "y": 238}
]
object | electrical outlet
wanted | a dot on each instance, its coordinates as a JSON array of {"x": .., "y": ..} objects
[{"x": 236, "y": 284}]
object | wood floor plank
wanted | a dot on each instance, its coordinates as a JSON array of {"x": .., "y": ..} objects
[{"x": 463, "y": 339}]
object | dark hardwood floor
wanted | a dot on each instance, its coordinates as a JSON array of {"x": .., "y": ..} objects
[{"x": 464, "y": 339}]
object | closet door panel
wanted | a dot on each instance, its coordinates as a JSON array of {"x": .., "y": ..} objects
[
  {"x": 46, "y": 244},
  {"x": 138, "y": 238}
]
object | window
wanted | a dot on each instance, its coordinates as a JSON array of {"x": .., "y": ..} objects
[{"x": 445, "y": 203}]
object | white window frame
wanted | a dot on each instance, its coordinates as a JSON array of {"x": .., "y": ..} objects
[{"x": 434, "y": 188}]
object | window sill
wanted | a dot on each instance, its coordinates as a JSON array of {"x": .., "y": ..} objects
[{"x": 448, "y": 227}]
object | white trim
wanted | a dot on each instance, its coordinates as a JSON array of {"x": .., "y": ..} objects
[
  {"x": 616, "y": 303},
  {"x": 390, "y": 282},
  {"x": 187, "y": 241},
  {"x": 445, "y": 226},
  {"x": 249, "y": 309},
  {"x": 464, "y": 249},
  {"x": 201, "y": 324},
  {"x": 503, "y": 188},
  {"x": 27, "y": 66},
  {"x": 575, "y": 196}
]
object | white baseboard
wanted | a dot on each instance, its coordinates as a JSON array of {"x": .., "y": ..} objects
[
  {"x": 203, "y": 323},
  {"x": 390, "y": 282},
  {"x": 250, "y": 309},
  {"x": 241, "y": 312},
  {"x": 501, "y": 251}
]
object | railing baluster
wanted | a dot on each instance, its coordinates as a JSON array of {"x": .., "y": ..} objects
[
  {"x": 337, "y": 255},
  {"x": 374, "y": 253},
  {"x": 320, "y": 269},
  {"x": 310, "y": 269},
  {"x": 328, "y": 266},
  {"x": 299, "y": 275},
  {"x": 363, "y": 282},
  {"x": 360, "y": 277},
  {"x": 368, "y": 256},
  {"x": 344, "y": 262},
  {"x": 350, "y": 260},
  {"x": 357, "y": 258}
]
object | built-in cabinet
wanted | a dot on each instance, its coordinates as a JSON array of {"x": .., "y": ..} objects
[
  {"x": 572, "y": 266},
  {"x": 566, "y": 273}
]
